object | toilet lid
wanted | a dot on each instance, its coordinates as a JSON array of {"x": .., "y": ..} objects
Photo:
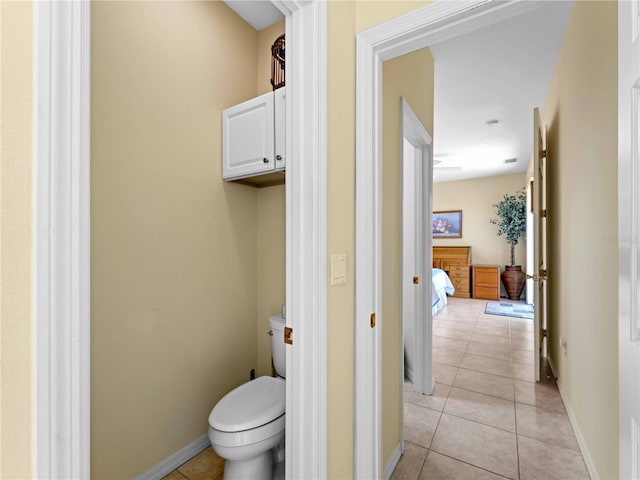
[{"x": 250, "y": 405}]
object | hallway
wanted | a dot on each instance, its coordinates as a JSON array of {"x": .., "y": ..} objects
[{"x": 487, "y": 418}]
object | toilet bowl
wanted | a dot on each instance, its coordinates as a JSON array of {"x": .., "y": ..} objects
[{"x": 246, "y": 427}]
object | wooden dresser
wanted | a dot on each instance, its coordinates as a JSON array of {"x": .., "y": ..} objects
[
  {"x": 486, "y": 282},
  {"x": 456, "y": 261}
]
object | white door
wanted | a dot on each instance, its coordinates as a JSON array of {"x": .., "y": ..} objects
[
  {"x": 539, "y": 240},
  {"x": 280, "y": 122},
  {"x": 248, "y": 138},
  {"x": 416, "y": 244},
  {"x": 409, "y": 246},
  {"x": 629, "y": 235}
]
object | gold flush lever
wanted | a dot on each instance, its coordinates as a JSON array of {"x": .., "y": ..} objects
[
  {"x": 288, "y": 333},
  {"x": 416, "y": 280}
]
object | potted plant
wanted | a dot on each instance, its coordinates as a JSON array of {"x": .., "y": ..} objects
[{"x": 512, "y": 223}]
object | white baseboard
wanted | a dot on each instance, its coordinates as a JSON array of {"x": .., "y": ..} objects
[
  {"x": 173, "y": 461},
  {"x": 392, "y": 463},
  {"x": 586, "y": 454}
]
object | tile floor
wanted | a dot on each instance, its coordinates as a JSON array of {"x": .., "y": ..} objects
[
  {"x": 207, "y": 465},
  {"x": 487, "y": 418}
]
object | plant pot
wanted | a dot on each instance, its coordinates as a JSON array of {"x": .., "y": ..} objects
[{"x": 513, "y": 278}]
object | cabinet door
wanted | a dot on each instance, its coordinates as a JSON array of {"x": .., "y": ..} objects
[
  {"x": 279, "y": 99},
  {"x": 247, "y": 138}
]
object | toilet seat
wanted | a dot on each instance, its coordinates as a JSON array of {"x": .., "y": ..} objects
[
  {"x": 248, "y": 437},
  {"x": 251, "y": 405}
]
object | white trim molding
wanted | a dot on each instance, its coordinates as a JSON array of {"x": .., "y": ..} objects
[
  {"x": 417, "y": 29},
  {"x": 173, "y": 461},
  {"x": 586, "y": 454},
  {"x": 393, "y": 462},
  {"x": 61, "y": 239},
  {"x": 306, "y": 205}
]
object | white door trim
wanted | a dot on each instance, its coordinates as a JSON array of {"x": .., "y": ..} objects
[
  {"x": 61, "y": 89},
  {"x": 306, "y": 204},
  {"x": 62, "y": 227},
  {"x": 412, "y": 31},
  {"x": 628, "y": 238},
  {"x": 416, "y": 134}
]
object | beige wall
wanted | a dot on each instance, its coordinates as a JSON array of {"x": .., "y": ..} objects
[
  {"x": 581, "y": 114},
  {"x": 476, "y": 198},
  {"x": 15, "y": 239},
  {"x": 272, "y": 257},
  {"x": 409, "y": 76},
  {"x": 266, "y": 37},
  {"x": 344, "y": 20},
  {"x": 174, "y": 248},
  {"x": 340, "y": 235}
]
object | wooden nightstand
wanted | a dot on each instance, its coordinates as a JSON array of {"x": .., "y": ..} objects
[{"x": 486, "y": 282}]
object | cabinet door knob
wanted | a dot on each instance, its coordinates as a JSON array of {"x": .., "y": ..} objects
[
  {"x": 265, "y": 160},
  {"x": 278, "y": 157}
]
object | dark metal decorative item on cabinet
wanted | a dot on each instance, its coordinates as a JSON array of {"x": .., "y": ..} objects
[{"x": 277, "y": 63}]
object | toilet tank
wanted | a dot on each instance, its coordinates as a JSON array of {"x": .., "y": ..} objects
[{"x": 276, "y": 322}]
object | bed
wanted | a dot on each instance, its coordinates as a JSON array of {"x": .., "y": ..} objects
[{"x": 440, "y": 286}]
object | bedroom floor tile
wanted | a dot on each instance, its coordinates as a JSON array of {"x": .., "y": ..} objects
[
  {"x": 524, "y": 372},
  {"x": 485, "y": 447},
  {"x": 446, "y": 356},
  {"x": 441, "y": 467},
  {"x": 419, "y": 424},
  {"x": 540, "y": 460},
  {"x": 522, "y": 356},
  {"x": 489, "y": 339},
  {"x": 444, "y": 373},
  {"x": 450, "y": 343},
  {"x": 480, "y": 363},
  {"x": 487, "y": 383},
  {"x": 491, "y": 330},
  {"x": 451, "y": 333},
  {"x": 500, "y": 352},
  {"x": 434, "y": 401},
  {"x": 548, "y": 426},
  {"x": 481, "y": 408},
  {"x": 411, "y": 463},
  {"x": 467, "y": 427},
  {"x": 542, "y": 395}
]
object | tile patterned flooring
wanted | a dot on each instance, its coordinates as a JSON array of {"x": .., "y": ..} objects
[
  {"x": 487, "y": 418},
  {"x": 207, "y": 465}
]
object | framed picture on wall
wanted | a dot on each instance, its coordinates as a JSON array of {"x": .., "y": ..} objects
[{"x": 447, "y": 224}]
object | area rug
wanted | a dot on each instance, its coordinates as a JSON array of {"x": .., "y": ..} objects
[{"x": 509, "y": 309}]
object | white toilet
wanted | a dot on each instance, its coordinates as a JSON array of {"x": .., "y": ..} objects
[{"x": 246, "y": 427}]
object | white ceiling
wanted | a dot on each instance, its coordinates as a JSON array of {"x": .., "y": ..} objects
[
  {"x": 257, "y": 13},
  {"x": 497, "y": 73},
  {"x": 500, "y": 72}
]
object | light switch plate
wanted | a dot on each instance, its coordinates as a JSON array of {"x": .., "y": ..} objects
[{"x": 338, "y": 268}]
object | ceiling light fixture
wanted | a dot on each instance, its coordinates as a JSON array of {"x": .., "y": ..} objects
[
  {"x": 492, "y": 123},
  {"x": 511, "y": 160}
]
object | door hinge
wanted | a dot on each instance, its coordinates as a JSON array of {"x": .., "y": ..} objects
[
  {"x": 544, "y": 333},
  {"x": 288, "y": 334},
  {"x": 543, "y": 153},
  {"x": 373, "y": 320},
  {"x": 544, "y": 213},
  {"x": 416, "y": 280}
]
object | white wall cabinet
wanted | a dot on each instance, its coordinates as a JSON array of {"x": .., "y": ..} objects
[{"x": 253, "y": 140}]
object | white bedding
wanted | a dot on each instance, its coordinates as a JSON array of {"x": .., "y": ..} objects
[{"x": 440, "y": 286}]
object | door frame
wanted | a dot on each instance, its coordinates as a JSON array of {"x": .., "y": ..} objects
[
  {"x": 628, "y": 239},
  {"x": 415, "y": 30},
  {"x": 61, "y": 238}
]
